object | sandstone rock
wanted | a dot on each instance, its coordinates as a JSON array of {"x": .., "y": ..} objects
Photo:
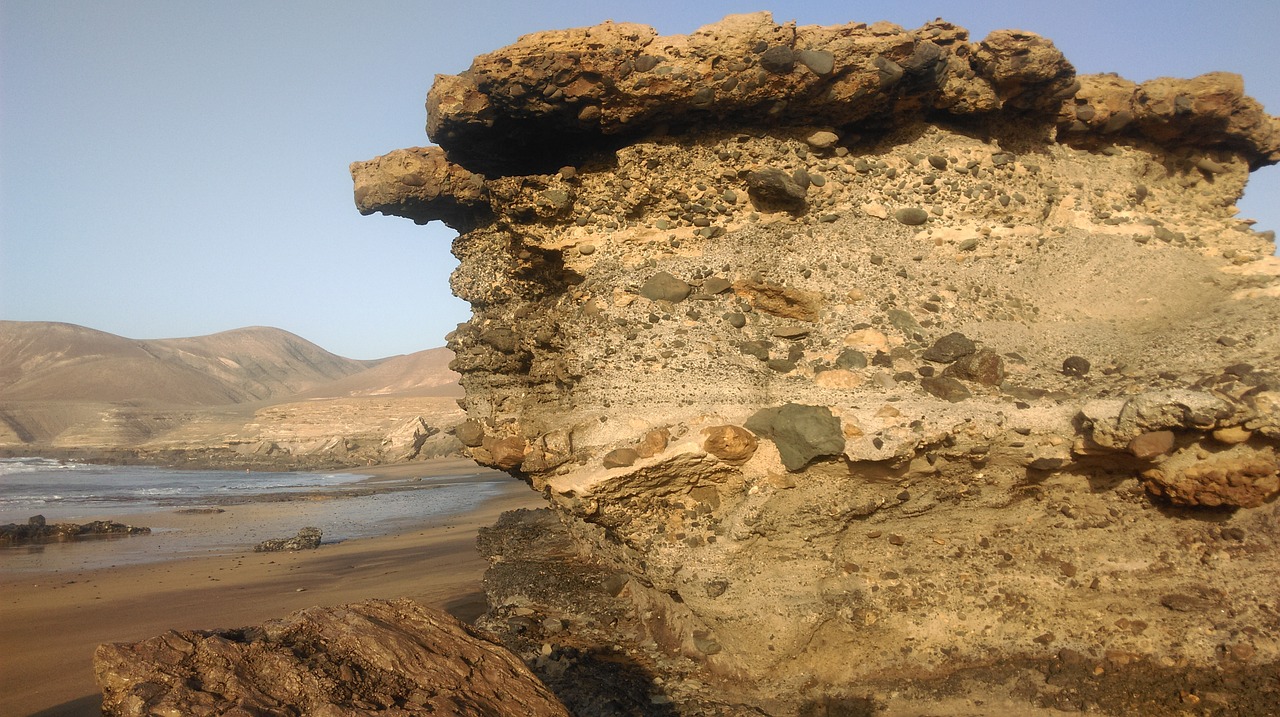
[
  {"x": 1150, "y": 446},
  {"x": 505, "y": 453},
  {"x": 653, "y": 443},
  {"x": 1232, "y": 435},
  {"x": 782, "y": 301},
  {"x": 422, "y": 185},
  {"x": 306, "y": 539},
  {"x": 1232, "y": 479},
  {"x": 406, "y": 442},
  {"x": 732, "y": 444},
  {"x": 373, "y": 657},
  {"x": 801, "y": 433},
  {"x": 822, "y": 139},
  {"x": 838, "y": 378}
]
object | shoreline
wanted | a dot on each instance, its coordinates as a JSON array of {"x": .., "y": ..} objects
[
  {"x": 377, "y": 500},
  {"x": 55, "y": 618}
]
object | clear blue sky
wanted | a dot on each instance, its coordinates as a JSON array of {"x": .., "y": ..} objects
[{"x": 177, "y": 168}]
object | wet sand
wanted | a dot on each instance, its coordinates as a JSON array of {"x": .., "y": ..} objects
[{"x": 51, "y": 620}]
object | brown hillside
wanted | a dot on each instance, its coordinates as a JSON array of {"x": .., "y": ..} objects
[
  {"x": 43, "y": 361},
  {"x": 424, "y": 373}
]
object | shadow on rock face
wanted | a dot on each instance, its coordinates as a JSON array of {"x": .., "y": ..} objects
[
  {"x": 839, "y": 707},
  {"x": 601, "y": 683},
  {"x": 90, "y": 706}
]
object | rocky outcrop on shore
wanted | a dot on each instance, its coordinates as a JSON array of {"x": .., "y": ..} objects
[
  {"x": 307, "y": 539},
  {"x": 858, "y": 354},
  {"x": 37, "y": 530},
  {"x": 376, "y": 657}
]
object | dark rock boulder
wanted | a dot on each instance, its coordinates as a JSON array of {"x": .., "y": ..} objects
[
  {"x": 801, "y": 433},
  {"x": 949, "y": 348},
  {"x": 665, "y": 287},
  {"x": 774, "y": 187}
]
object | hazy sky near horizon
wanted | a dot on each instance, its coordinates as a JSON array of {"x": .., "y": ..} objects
[{"x": 177, "y": 168}]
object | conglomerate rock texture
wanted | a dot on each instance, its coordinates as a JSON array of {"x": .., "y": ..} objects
[{"x": 864, "y": 354}]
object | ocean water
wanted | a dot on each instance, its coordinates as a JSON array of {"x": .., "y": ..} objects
[
  {"x": 243, "y": 509},
  {"x": 65, "y": 491}
]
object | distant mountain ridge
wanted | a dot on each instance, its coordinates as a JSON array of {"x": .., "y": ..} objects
[
  {"x": 257, "y": 395},
  {"x": 46, "y": 361}
]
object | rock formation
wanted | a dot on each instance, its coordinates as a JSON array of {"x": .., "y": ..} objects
[
  {"x": 377, "y": 657},
  {"x": 867, "y": 354},
  {"x": 37, "y": 530},
  {"x": 307, "y": 539}
]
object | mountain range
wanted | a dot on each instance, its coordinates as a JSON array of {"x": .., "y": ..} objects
[{"x": 255, "y": 391}]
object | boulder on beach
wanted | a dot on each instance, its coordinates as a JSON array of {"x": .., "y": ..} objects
[
  {"x": 307, "y": 539},
  {"x": 374, "y": 657}
]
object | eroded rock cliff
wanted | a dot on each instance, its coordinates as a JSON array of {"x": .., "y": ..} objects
[{"x": 866, "y": 352}]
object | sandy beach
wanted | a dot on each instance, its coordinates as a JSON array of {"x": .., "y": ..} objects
[{"x": 51, "y": 620}]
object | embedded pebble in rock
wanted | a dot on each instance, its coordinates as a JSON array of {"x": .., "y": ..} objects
[
  {"x": 901, "y": 378},
  {"x": 985, "y": 367},
  {"x": 470, "y": 433},
  {"x": 946, "y": 388},
  {"x": 653, "y": 443},
  {"x": 505, "y": 453},
  {"x": 821, "y": 62},
  {"x": 1076, "y": 366},
  {"x": 665, "y": 287},
  {"x": 716, "y": 285},
  {"x": 732, "y": 444},
  {"x": 792, "y": 332},
  {"x": 911, "y": 216},
  {"x": 620, "y": 458},
  {"x": 1151, "y": 445},
  {"x": 850, "y": 358},
  {"x": 801, "y": 433},
  {"x": 1232, "y": 435},
  {"x": 778, "y": 59},
  {"x": 775, "y": 187},
  {"x": 822, "y": 139},
  {"x": 949, "y": 348}
]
